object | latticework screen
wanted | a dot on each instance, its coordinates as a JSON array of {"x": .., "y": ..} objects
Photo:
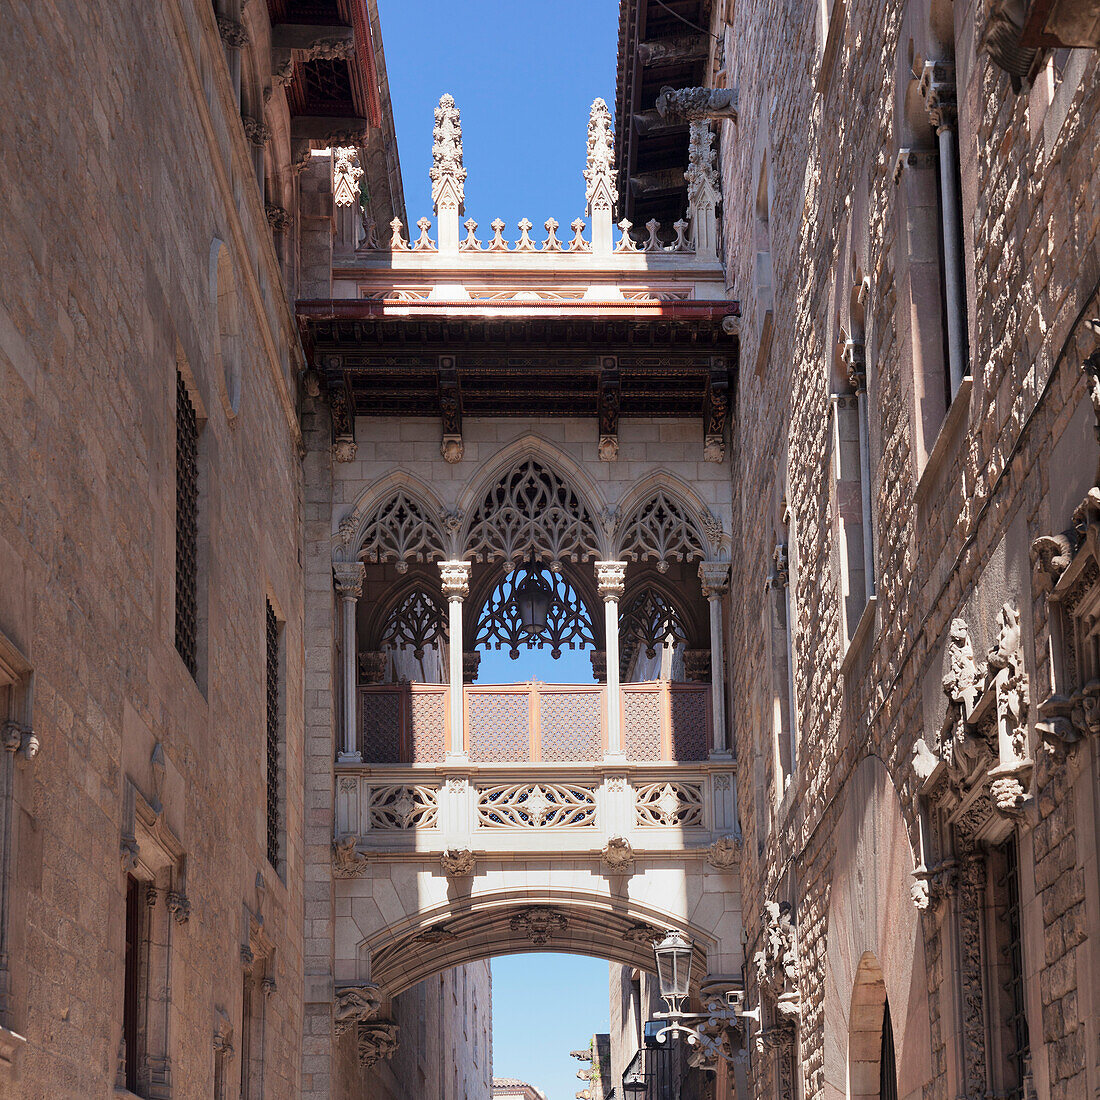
[
  {"x": 425, "y": 730},
  {"x": 272, "y": 737},
  {"x": 187, "y": 526},
  {"x": 642, "y": 725},
  {"x": 499, "y": 727},
  {"x": 570, "y": 726},
  {"x": 380, "y": 726},
  {"x": 689, "y": 725}
]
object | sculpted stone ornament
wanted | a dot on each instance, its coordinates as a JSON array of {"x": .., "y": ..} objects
[
  {"x": 697, "y": 104},
  {"x": 20, "y": 740},
  {"x": 179, "y": 906},
  {"x": 777, "y": 964},
  {"x": 346, "y": 861},
  {"x": 539, "y": 924},
  {"x": 346, "y": 174},
  {"x": 725, "y": 853},
  {"x": 618, "y": 855},
  {"x": 447, "y": 172},
  {"x": 599, "y": 172},
  {"x": 458, "y": 862},
  {"x": 377, "y": 1040},
  {"x": 643, "y": 934},
  {"x": 355, "y": 1004},
  {"x": 1051, "y": 556}
]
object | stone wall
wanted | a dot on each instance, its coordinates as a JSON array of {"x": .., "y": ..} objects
[
  {"x": 125, "y": 164},
  {"x": 955, "y": 511}
]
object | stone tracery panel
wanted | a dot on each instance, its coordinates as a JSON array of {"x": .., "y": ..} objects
[
  {"x": 647, "y": 621},
  {"x": 669, "y": 804},
  {"x": 399, "y": 530},
  {"x": 403, "y": 807},
  {"x": 416, "y": 622},
  {"x": 532, "y": 513},
  {"x": 536, "y": 806},
  {"x": 660, "y": 531}
]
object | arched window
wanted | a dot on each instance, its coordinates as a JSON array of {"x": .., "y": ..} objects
[
  {"x": 652, "y": 637},
  {"x": 532, "y": 513},
  {"x": 660, "y": 531},
  {"x": 564, "y": 621}
]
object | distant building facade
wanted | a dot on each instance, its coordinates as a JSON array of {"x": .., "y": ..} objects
[{"x": 511, "y": 1088}]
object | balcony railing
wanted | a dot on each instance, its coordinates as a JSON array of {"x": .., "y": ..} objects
[{"x": 534, "y": 723}]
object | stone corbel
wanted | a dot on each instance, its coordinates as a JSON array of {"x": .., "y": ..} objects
[
  {"x": 610, "y": 402},
  {"x": 716, "y": 409},
  {"x": 697, "y": 104},
  {"x": 232, "y": 33},
  {"x": 377, "y": 1039},
  {"x": 307, "y": 43},
  {"x": 342, "y": 409},
  {"x": 937, "y": 86},
  {"x": 618, "y": 855},
  {"x": 347, "y": 862},
  {"x": 355, "y": 1004},
  {"x": 458, "y": 863},
  {"x": 725, "y": 853},
  {"x": 19, "y": 740},
  {"x": 450, "y": 410}
]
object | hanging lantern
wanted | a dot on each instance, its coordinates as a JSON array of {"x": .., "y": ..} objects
[
  {"x": 673, "y": 955},
  {"x": 533, "y": 595}
]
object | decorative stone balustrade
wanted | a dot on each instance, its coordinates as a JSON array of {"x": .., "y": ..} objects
[
  {"x": 534, "y": 723},
  {"x": 496, "y": 808}
]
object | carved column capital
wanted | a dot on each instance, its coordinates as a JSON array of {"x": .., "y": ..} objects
[
  {"x": 348, "y": 577},
  {"x": 232, "y": 33},
  {"x": 937, "y": 85},
  {"x": 855, "y": 359},
  {"x": 714, "y": 577},
  {"x": 611, "y": 579},
  {"x": 454, "y": 578}
]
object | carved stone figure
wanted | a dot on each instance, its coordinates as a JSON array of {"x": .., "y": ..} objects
[
  {"x": 539, "y": 924},
  {"x": 962, "y": 678},
  {"x": 346, "y": 861},
  {"x": 695, "y": 104},
  {"x": 354, "y": 1005},
  {"x": 346, "y": 174},
  {"x": 377, "y": 1040},
  {"x": 1050, "y": 558},
  {"x": 777, "y": 963}
]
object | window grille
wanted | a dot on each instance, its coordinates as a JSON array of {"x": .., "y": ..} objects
[
  {"x": 272, "y": 736},
  {"x": 1019, "y": 1052},
  {"x": 187, "y": 509}
]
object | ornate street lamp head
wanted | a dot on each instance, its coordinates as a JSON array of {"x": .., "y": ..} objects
[
  {"x": 673, "y": 956},
  {"x": 533, "y": 595}
]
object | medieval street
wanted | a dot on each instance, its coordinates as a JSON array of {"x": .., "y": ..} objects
[{"x": 602, "y": 603}]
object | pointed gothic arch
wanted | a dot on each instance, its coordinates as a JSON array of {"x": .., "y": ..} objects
[{"x": 397, "y": 526}]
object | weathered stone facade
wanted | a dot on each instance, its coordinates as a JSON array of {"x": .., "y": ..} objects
[{"x": 830, "y": 240}]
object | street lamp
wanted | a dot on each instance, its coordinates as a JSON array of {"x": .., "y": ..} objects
[
  {"x": 673, "y": 955},
  {"x": 532, "y": 597}
]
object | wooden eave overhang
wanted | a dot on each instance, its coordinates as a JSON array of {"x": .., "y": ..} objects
[
  {"x": 657, "y": 47},
  {"x": 338, "y": 92},
  {"x": 521, "y": 358}
]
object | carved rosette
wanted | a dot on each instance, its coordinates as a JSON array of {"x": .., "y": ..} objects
[
  {"x": 458, "y": 862},
  {"x": 377, "y": 1040},
  {"x": 355, "y": 1004},
  {"x": 618, "y": 855}
]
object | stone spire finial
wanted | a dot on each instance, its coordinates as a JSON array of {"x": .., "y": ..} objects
[
  {"x": 448, "y": 174},
  {"x": 704, "y": 193},
  {"x": 600, "y": 193}
]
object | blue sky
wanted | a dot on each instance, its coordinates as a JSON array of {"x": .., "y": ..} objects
[{"x": 523, "y": 76}]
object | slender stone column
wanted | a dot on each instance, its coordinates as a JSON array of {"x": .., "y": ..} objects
[
  {"x": 455, "y": 579},
  {"x": 937, "y": 85},
  {"x": 349, "y": 586},
  {"x": 715, "y": 578},
  {"x": 610, "y": 579}
]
